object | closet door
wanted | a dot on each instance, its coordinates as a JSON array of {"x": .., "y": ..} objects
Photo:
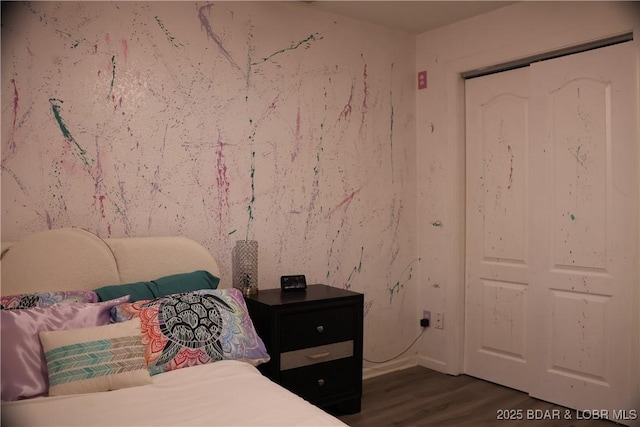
[
  {"x": 497, "y": 244},
  {"x": 552, "y": 275},
  {"x": 584, "y": 210}
]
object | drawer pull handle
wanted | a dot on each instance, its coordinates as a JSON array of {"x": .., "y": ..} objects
[
  {"x": 320, "y": 382},
  {"x": 319, "y": 355},
  {"x": 320, "y": 329}
]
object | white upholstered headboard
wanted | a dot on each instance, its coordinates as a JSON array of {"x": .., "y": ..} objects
[{"x": 72, "y": 258}]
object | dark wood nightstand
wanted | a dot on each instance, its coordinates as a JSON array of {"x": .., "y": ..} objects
[{"x": 314, "y": 338}]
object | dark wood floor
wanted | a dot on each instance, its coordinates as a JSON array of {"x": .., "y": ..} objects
[{"x": 422, "y": 397}]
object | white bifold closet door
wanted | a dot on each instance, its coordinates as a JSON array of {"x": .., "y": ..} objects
[{"x": 553, "y": 230}]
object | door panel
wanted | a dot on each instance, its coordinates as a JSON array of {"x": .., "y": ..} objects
[
  {"x": 585, "y": 213},
  {"x": 579, "y": 142},
  {"x": 497, "y": 228}
]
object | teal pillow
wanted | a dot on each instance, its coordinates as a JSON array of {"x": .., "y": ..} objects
[{"x": 177, "y": 283}]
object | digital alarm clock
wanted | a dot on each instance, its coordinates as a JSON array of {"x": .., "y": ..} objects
[{"x": 293, "y": 283}]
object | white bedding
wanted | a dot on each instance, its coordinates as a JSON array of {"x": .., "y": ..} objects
[{"x": 225, "y": 393}]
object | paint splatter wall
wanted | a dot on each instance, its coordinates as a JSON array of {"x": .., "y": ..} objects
[{"x": 220, "y": 122}]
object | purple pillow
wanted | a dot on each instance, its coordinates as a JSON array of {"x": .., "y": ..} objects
[
  {"x": 45, "y": 299},
  {"x": 24, "y": 367}
]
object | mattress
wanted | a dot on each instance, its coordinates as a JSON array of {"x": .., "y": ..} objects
[{"x": 224, "y": 393}]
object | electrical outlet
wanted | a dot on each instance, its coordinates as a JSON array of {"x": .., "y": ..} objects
[
  {"x": 439, "y": 320},
  {"x": 422, "y": 80}
]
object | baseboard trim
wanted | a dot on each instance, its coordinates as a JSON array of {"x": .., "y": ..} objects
[
  {"x": 373, "y": 370},
  {"x": 377, "y": 369},
  {"x": 436, "y": 365}
]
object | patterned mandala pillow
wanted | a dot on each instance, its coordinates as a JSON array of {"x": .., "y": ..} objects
[{"x": 195, "y": 328}]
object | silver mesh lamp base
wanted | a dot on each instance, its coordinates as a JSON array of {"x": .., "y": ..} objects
[{"x": 244, "y": 259}]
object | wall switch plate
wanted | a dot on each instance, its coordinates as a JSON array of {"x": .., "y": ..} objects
[{"x": 439, "y": 320}]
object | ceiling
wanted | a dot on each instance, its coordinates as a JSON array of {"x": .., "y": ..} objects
[{"x": 414, "y": 17}]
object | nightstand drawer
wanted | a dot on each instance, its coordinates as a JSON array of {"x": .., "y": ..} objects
[
  {"x": 313, "y": 355},
  {"x": 321, "y": 381},
  {"x": 316, "y": 327}
]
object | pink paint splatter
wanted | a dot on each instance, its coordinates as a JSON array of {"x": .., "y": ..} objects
[
  {"x": 511, "y": 167},
  {"x": 296, "y": 147},
  {"x": 48, "y": 219},
  {"x": 298, "y": 134},
  {"x": 16, "y": 98},
  {"x": 118, "y": 105},
  {"x": 274, "y": 103},
  {"x": 107, "y": 38},
  {"x": 125, "y": 49},
  {"x": 346, "y": 111},
  {"x": 222, "y": 180},
  {"x": 100, "y": 200},
  {"x": 98, "y": 197},
  {"x": 345, "y": 202}
]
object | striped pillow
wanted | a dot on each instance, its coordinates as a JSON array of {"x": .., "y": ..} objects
[{"x": 95, "y": 359}]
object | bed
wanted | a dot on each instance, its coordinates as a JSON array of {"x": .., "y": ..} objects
[{"x": 200, "y": 390}]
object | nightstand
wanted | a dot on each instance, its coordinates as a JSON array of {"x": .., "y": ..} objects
[{"x": 314, "y": 338}]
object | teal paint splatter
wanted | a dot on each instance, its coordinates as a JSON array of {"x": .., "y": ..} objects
[
  {"x": 356, "y": 269},
  {"x": 113, "y": 75},
  {"x": 573, "y": 217},
  {"x": 232, "y": 232},
  {"x": 79, "y": 151},
  {"x": 437, "y": 223},
  {"x": 398, "y": 286},
  {"x": 333, "y": 241},
  {"x": 293, "y": 46},
  {"x": 580, "y": 158},
  {"x": 253, "y": 191},
  {"x": 168, "y": 35},
  {"x": 395, "y": 289},
  {"x": 315, "y": 188}
]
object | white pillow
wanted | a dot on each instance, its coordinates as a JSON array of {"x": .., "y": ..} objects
[{"x": 100, "y": 358}]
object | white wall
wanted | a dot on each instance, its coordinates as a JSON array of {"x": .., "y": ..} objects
[
  {"x": 509, "y": 33},
  {"x": 220, "y": 122}
]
